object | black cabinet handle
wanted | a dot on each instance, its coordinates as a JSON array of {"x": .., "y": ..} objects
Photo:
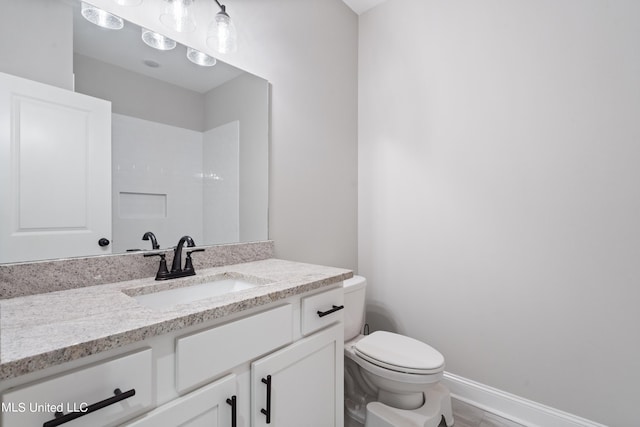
[
  {"x": 333, "y": 310},
  {"x": 60, "y": 418},
  {"x": 232, "y": 402},
  {"x": 104, "y": 242},
  {"x": 267, "y": 412}
]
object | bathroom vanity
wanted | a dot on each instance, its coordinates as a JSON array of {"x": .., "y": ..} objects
[{"x": 269, "y": 353}]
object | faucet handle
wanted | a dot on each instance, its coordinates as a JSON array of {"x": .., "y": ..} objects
[
  {"x": 163, "y": 272},
  {"x": 188, "y": 262},
  {"x": 195, "y": 250}
]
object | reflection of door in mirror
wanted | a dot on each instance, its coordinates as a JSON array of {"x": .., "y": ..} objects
[{"x": 55, "y": 172}]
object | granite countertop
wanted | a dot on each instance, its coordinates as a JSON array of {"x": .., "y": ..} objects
[{"x": 39, "y": 331}]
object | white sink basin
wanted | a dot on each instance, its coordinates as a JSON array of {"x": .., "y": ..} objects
[{"x": 187, "y": 294}]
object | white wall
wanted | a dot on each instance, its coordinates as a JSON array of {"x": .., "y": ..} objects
[
  {"x": 39, "y": 48},
  {"x": 246, "y": 99},
  {"x": 221, "y": 184},
  {"x": 155, "y": 163},
  {"x": 307, "y": 50},
  {"x": 499, "y": 196},
  {"x": 136, "y": 95}
]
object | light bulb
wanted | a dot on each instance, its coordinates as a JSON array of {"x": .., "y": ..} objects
[
  {"x": 157, "y": 41},
  {"x": 101, "y": 17},
  {"x": 221, "y": 33},
  {"x": 200, "y": 58},
  {"x": 178, "y": 16}
]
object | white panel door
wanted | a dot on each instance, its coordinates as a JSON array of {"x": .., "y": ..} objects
[
  {"x": 302, "y": 384},
  {"x": 55, "y": 172}
]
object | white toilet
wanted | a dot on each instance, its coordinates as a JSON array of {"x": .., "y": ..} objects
[{"x": 390, "y": 380}]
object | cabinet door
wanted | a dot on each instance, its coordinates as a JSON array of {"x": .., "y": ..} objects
[
  {"x": 55, "y": 172},
  {"x": 302, "y": 384},
  {"x": 210, "y": 406}
]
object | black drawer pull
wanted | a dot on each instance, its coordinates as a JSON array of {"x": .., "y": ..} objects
[
  {"x": 267, "y": 412},
  {"x": 60, "y": 418},
  {"x": 333, "y": 310},
  {"x": 232, "y": 402}
]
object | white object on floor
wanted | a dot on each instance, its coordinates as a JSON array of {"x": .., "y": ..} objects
[{"x": 437, "y": 403}]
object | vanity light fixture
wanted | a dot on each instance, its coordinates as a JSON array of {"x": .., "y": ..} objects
[
  {"x": 221, "y": 34},
  {"x": 200, "y": 58},
  {"x": 178, "y": 15},
  {"x": 157, "y": 40},
  {"x": 101, "y": 17}
]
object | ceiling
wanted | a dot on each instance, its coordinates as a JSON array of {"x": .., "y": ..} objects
[{"x": 361, "y": 6}]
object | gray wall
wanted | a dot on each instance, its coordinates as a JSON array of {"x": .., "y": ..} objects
[
  {"x": 136, "y": 95},
  {"x": 246, "y": 98},
  {"x": 39, "y": 48},
  {"x": 307, "y": 49},
  {"x": 499, "y": 192}
]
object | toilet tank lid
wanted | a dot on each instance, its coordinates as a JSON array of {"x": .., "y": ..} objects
[
  {"x": 400, "y": 351},
  {"x": 355, "y": 283}
]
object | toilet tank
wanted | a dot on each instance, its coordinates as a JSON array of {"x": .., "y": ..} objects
[{"x": 354, "y": 296}]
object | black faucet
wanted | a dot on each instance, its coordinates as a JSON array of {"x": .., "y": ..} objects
[
  {"x": 154, "y": 243},
  {"x": 176, "y": 266}
]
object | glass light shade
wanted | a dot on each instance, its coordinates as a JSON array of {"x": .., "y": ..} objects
[
  {"x": 178, "y": 16},
  {"x": 101, "y": 17},
  {"x": 221, "y": 34},
  {"x": 200, "y": 58},
  {"x": 128, "y": 2},
  {"x": 157, "y": 41}
]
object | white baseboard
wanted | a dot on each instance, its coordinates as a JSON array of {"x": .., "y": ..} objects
[{"x": 511, "y": 407}]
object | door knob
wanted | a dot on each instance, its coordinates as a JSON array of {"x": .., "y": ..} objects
[{"x": 103, "y": 242}]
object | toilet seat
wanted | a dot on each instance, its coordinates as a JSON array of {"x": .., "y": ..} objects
[{"x": 399, "y": 353}]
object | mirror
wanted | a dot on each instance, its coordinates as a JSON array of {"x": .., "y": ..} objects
[{"x": 189, "y": 143}]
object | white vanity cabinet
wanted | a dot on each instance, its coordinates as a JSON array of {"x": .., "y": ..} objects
[
  {"x": 274, "y": 366},
  {"x": 40, "y": 125},
  {"x": 283, "y": 366}
]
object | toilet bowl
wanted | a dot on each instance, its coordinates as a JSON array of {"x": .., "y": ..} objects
[{"x": 391, "y": 380}]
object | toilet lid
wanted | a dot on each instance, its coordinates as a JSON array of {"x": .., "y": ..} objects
[{"x": 400, "y": 353}]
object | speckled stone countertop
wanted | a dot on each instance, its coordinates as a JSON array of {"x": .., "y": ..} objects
[{"x": 39, "y": 331}]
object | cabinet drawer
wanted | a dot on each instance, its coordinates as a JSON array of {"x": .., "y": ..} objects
[
  {"x": 207, "y": 406},
  {"x": 321, "y": 310},
  {"x": 77, "y": 391},
  {"x": 203, "y": 356}
]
